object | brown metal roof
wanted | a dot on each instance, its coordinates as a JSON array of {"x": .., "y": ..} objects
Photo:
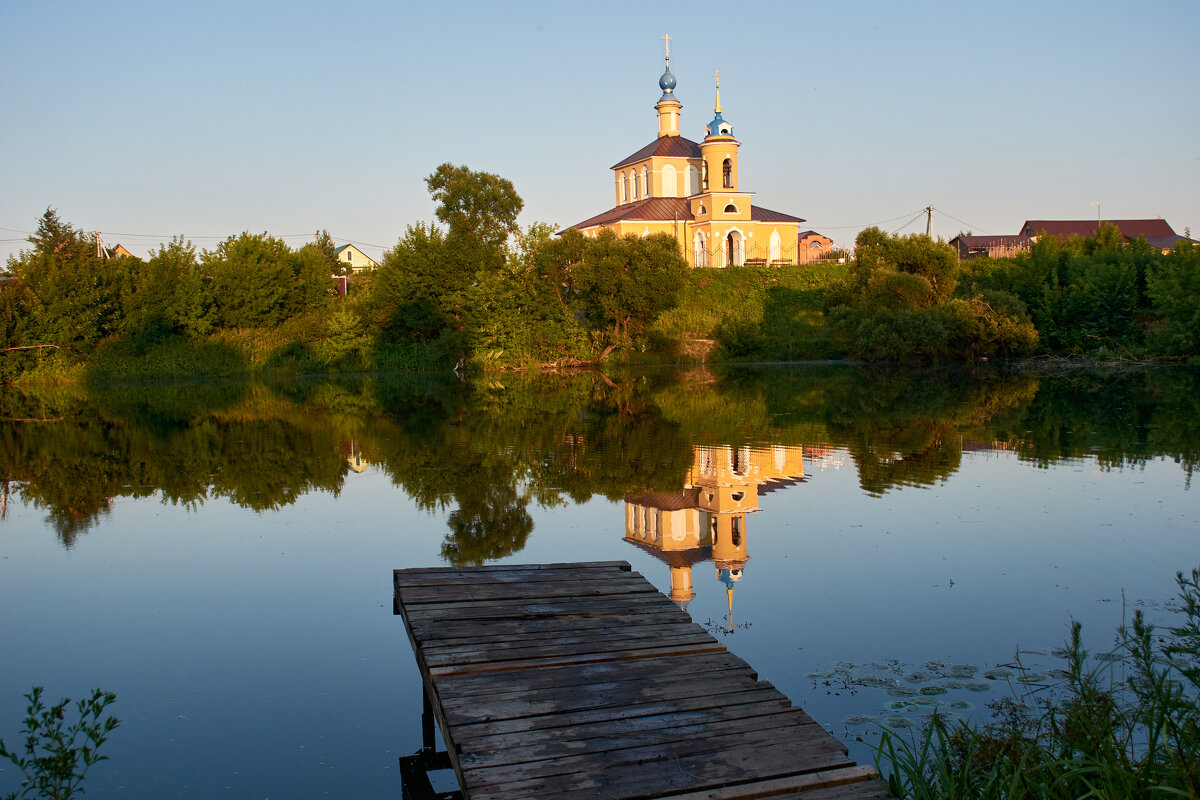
[
  {"x": 668, "y": 209},
  {"x": 767, "y": 215},
  {"x": 1129, "y": 228},
  {"x": 652, "y": 208},
  {"x": 667, "y": 146}
]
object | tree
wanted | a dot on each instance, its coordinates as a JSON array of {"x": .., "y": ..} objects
[
  {"x": 416, "y": 293},
  {"x": 323, "y": 242},
  {"x": 167, "y": 295},
  {"x": 620, "y": 284},
  {"x": 258, "y": 281},
  {"x": 73, "y": 297},
  {"x": 476, "y": 205}
]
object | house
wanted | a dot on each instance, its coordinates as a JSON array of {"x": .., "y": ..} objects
[
  {"x": 969, "y": 247},
  {"x": 1156, "y": 232},
  {"x": 355, "y": 259},
  {"x": 691, "y": 191},
  {"x": 812, "y": 246},
  {"x": 117, "y": 251}
]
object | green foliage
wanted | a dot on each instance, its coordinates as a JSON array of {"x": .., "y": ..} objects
[
  {"x": 897, "y": 303},
  {"x": 1173, "y": 284},
  {"x": 620, "y": 284},
  {"x": 56, "y": 755},
  {"x": 324, "y": 244},
  {"x": 71, "y": 296},
  {"x": 476, "y": 206},
  {"x": 256, "y": 280},
  {"x": 167, "y": 295},
  {"x": 1108, "y": 733}
]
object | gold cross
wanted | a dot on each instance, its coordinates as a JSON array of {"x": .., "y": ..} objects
[
  {"x": 667, "y": 44},
  {"x": 717, "y": 75}
]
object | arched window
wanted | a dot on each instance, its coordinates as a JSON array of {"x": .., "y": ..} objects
[
  {"x": 635, "y": 194},
  {"x": 669, "y": 187},
  {"x": 731, "y": 209},
  {"x": 704, "y": 176},
  {"x": 623, "y": 183},
  {"x": 645, "y": 182},
  {"x": 693, "y": 180},
  {"x": 727, "y": 173}
]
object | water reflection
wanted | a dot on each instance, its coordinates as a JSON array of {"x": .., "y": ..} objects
[
  {"x": 690, "y": 454},
  {"x": 707, "y": 519}
]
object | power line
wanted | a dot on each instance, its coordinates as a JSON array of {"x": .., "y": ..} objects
[
  {"x": 960, "y": 222},
  {"x": 910, "y": 222}
]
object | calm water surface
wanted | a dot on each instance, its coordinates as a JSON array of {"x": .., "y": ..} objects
[{"x": 220, "y": 555}]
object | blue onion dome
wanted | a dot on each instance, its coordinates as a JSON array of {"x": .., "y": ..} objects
[
  {"x": 718, "y": 127},
  {"x": 667, "y": 84}
]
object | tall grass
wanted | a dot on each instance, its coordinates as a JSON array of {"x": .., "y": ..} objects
[{"x": 1128, "y": 727}]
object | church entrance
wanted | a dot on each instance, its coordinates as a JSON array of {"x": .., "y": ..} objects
[{"x": 733, "y": 249}]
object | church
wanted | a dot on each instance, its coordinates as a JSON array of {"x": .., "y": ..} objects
[{"x": 690, "y": 190}]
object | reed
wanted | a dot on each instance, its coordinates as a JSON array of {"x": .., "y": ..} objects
[{"x": 1123, "y": 727}]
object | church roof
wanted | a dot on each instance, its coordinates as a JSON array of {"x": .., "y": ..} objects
[
  {"x": 667, "y": 146},
  {"x": 652, "y": 208},
  {"x": 759, "y": 214},
  {"x": 671, "y": 208}
]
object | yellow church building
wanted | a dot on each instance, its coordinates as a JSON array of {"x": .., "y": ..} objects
[{"x": 691, "y": 191}]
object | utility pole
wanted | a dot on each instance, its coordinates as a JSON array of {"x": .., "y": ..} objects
[
  {"x": 928, "y": 220},
  {"x": 1097, "y": 205}
]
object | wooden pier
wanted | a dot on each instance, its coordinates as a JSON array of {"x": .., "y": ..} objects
[{"x": 583, "y": 681}]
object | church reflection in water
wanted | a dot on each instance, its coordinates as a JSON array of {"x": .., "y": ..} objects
[{"x": 707, "y": 520}]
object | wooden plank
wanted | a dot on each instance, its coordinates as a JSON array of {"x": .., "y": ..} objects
[
  {"x": 652, "y": 671},
  {"x": 779, "y": 722},
  {"x": 667, "y": 719},
  {"x": 584, "y": 658},
  {"x": 621, "y": 566},
  {"x": 502, "y": 655},
  {"x": 625, "y": 714},
  {"x": 791, "y": 785},
  {"x": 650, "y": 771},
  {"x": 508, "y": 634},
  {"x": 619, "y": 696},
  {"x": 448, "y": 630},
  {"x": 425, "y": 590}
]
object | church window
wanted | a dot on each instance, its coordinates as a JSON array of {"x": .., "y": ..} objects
[
  {"x": 727, "y": 173},
  {"x": 645, "y": 182},
  {"x": 693, "y": 181},
  {"x": 669, "y": 184},
  {"x": 623, "y": 187},
  {"x": 731, "y": 209},
  {"x": 704, "y": 176},
  {"x": 737, "y": 531}
]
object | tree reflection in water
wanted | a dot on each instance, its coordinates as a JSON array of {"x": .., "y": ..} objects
[{"x": 486, "y": 450}]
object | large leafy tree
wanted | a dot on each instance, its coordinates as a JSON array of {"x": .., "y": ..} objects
[
  {"x": 620, "y": 284},
  {"x": 256, "y": 280},
  {"x": 476, "y": 206}
]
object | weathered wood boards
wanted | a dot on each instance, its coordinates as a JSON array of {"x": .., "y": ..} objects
[{"x": 583, "y": 681}]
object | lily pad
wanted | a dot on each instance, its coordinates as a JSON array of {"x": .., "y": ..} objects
[
  {"x": 900, "y": 705},
  {"x": 898, "y": 722},
  {"x": 977, "y": 687},
  {"x": 961, "y": 671},
  {"x": 930, "y": 691},
  {"x": 901, "y": 691}
]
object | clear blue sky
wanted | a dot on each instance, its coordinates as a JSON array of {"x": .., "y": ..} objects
[{"x": 148, "y": 119}]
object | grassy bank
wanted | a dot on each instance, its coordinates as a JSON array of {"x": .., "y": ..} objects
[{"x": 773, "y": 314}]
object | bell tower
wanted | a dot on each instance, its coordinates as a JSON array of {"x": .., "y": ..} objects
[{"x": 719, "y": 150}]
